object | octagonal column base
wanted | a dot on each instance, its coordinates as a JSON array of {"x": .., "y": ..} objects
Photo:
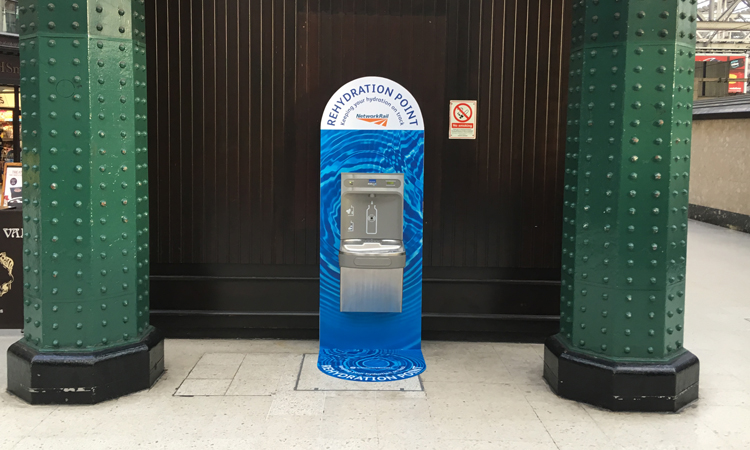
[
  {"x": 621, "y": 386},
  {"x": 84, "y": 377}
]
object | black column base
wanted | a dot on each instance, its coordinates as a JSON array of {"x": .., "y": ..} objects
[
  {"x": 84, "y": 378},
  {"x": 621, "y": 386}
]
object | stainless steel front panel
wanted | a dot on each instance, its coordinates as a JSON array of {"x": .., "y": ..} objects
[
  {"x": 372, "y": 206},
  {"x": 372, "y": 255},
  {"x": 371, "y": 290}
]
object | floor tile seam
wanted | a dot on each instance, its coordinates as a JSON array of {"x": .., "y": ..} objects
[
  {"x": 475, "y": 386},
  {"x": 199, "y": 395},
  {"x": 30, "y": 433},
  {"x": 278, "y": 386},
  {"x": 299, "y": 373},
  {"x": 703, "y": 425},
  {"x": 421, "y": 382},
  {"x": 717, "y": 433},
  {"x": 191, "y": 369},
  {"x": 290, "y": 352},
  {"x": 380, "y": 424},
  {"x": 164, "y": 375},
  {"x": 20, "y": 439},
  {"x": 462, "y": 381},
  {"x": 599, "y": 425},
  {"x": 543, "y": 424},
  {"x": 512, "y": 365},
  {"x": 249, "y": 363},
  {"x": 244, "y": 356},
  {"x": 434, "y": 416},
  {"x": 217, "y": 379},
  {"x": 248, "y": 395},
  {"x": 215, "y": 365}
]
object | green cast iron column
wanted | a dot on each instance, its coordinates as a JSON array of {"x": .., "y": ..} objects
[
  {"x": 626, "y": 187},
  {"x": 83, "y": 89}
]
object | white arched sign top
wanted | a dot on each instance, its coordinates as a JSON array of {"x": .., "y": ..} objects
[{"x": 372, "y": 103}]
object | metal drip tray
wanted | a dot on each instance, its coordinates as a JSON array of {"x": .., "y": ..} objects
[
  {"x": 372, "y": 272},
  {"x": 372, "y": 246},
  {"x": 372, "y": 253}
]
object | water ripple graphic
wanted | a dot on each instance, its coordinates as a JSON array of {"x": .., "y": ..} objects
[
  {"x": 371, "y": 345},
  {"x": 371, "y": 365}
]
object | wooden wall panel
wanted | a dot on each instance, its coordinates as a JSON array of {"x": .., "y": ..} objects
[{"x": 236, "y": 92}]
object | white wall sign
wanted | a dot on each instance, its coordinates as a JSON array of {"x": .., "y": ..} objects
[
  {"x": 463, "y": 119},
  {"x": 12, "y": 189},
  {"x": 372, "y": 103}
]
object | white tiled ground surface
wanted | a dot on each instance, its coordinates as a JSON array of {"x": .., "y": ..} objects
[{"x": 476, "y": 395}]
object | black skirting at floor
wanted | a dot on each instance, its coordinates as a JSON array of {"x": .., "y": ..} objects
[
  {"x": 726, "y": 219},
  {"x": 621, "y": 386},
  {"x": 84, "y": 378}
]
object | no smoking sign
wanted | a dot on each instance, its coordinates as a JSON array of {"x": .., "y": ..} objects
[{"x": 463, "y": 119}]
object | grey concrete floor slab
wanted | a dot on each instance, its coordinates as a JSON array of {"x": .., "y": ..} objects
[{"x": 227, "y": 394}]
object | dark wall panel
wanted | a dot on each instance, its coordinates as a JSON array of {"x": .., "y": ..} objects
[{"x": 236, "y": 91}]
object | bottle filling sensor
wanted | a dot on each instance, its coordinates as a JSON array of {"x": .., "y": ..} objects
[{"x": 372, "y": 255}]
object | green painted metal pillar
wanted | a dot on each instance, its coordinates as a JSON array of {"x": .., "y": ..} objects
[
  {"x": 621, "y": 340},
  {"x": 87, "y": 336}
]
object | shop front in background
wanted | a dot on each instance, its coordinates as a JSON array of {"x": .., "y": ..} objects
[
  {"x": 10, "y": 108},
  {"x": 10, "y": 124},
  {"x": 11, "y": 242},
  {"x": 10, "y": 111}
]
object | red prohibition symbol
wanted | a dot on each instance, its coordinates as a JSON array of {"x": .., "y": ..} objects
[{"x": 462, "y": 112}]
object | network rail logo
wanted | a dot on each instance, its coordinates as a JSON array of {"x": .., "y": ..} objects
[{"x": 375, "y": 119}]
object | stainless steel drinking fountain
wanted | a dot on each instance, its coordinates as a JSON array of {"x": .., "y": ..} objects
[{"x": 372, "y": 255}]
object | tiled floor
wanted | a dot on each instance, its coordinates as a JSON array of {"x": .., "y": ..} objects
[
  {"x": 231, "y": 374},
  {"x": 222, "y": 394}
]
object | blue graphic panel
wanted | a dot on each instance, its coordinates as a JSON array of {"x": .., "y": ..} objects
[{"x": 370, "y": 346}]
